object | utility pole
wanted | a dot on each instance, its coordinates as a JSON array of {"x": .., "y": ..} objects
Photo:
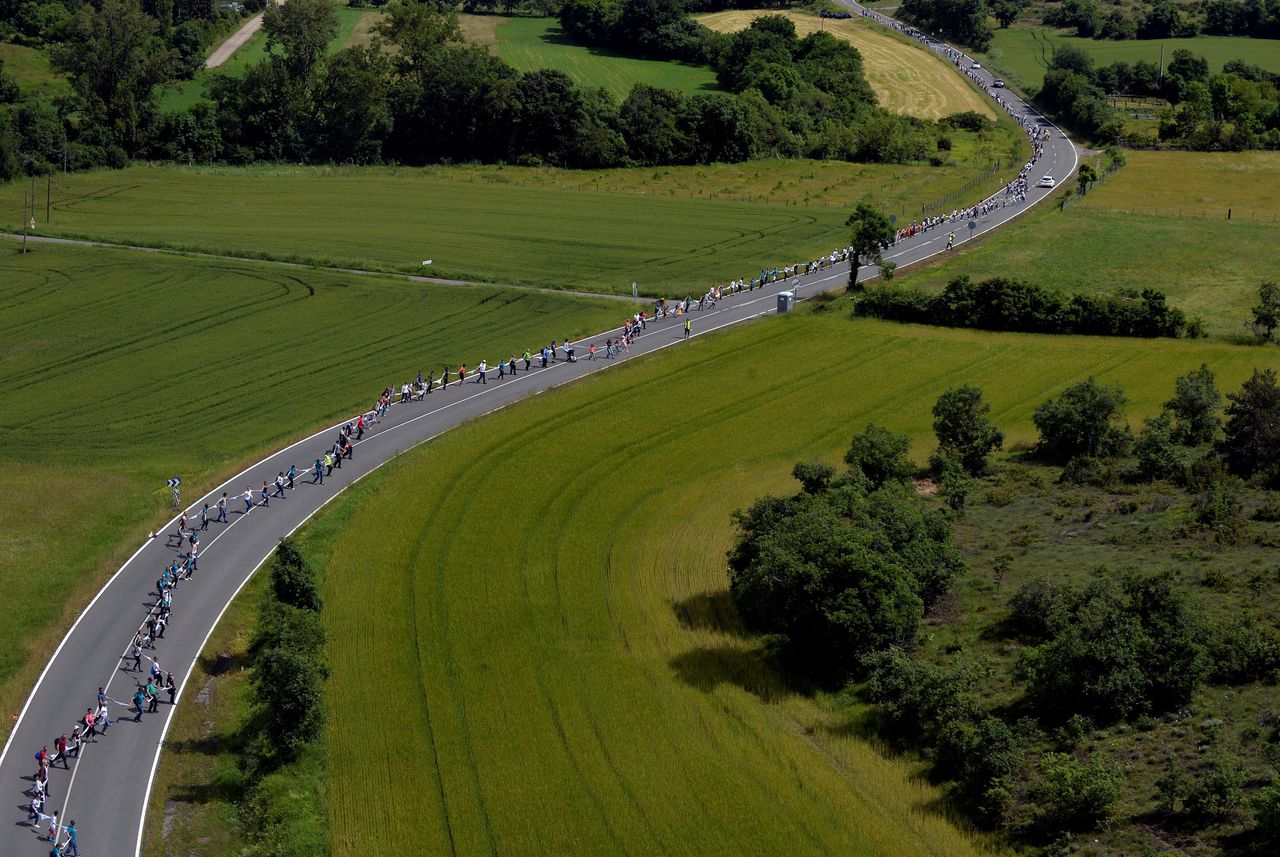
[
  {"x": 24, "y": 223},
  {"x": 48, "y": 197},
  {"x": 1161, "y": 78}
]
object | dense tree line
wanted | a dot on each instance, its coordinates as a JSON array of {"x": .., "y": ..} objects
[
  {"x": 838, "y": 575},
  {"x": 1003, "y": 304},
  {"x": 422, "y": 95},
  {"x": 1236, "y": 109},
  {"x": 961, "y": 21},
  {"x": 1166, "y": 19}
]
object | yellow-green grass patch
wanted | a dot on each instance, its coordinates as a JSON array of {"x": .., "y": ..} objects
[
  {"x": 531, "y": 44},
  {"x": 531, "y": 640},
  {"x": 906, "y": 78}
]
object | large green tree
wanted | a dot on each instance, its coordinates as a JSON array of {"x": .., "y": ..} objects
[
  {"x": 962, "y": 423},
  {"x": 115, "y": 60},
  {"x": 299, "y": 32}
]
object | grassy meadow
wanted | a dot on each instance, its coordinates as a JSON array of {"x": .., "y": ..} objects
[
  {"x": 1023, "y": 53},
  {"x": 30, "y": 68},
  {"x": 668, "y": 228},
  {"x": 579, "y": 680},
  {"x": 121, "y": 369},
  {"x": 530, "y": 44},
  {"x": 906, "y": 78},
  {"x": 1160, "y": 222}
]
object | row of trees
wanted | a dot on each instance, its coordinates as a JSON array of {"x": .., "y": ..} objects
[
  {"x": 432, "y": 98},
  {"x": 1236, "y": 109},
  {"x": 1166, "y": 19},
  {"x": 1011, "y": 305}
]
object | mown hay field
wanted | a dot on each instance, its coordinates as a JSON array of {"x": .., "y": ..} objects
[
  {"x": 670, "y": 229},
  {"x": 1160, "y": 222},
  {"x": 532, "y": 645},
  {"x": 530, "y": 44},
  {"x": 119, "y": 369},
  {"x": 906, "y": 78}
]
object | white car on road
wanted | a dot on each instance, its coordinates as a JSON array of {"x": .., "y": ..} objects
[{"x": 1047, "y": 181}]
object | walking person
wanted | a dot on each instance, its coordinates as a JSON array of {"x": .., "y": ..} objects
[
  {"x": 319, "y": 477},
  {"x": 153, "y": 697},
  {"x": 90, "y": 731},
  {"x": 248, "y": 499},
  {"x": 688, "y": 328},
  {"x": 266, "y": 494},
  {"x": 279, "y": 492},
  {"x": 431, "y": 380},
  {"x": 72, "y": 848},
  {"x": 293, "y": 471},
  {"x": 462, "y": 374},
  {"x": 138, "y": 699},
  {"x": 527, "y": 362},
  {"x": 482, "y": 373},
  {"x": 512, "y": 364},
  {"x": 951, "y": 241},
  {"x": 222, "y": 508},
  {"x": 60, "y": 751},
  {"x": 104, "y": 718},
  {"x": 204, "y": 517},
  {"x": 444, "y": 378},
  {"x": 328, "y": 464},
  {"x": 171, "y": 688}
]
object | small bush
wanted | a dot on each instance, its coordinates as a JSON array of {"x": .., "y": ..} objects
[
  {"x": 1074, "y": 795},
  {"x": 1083, "y": 421},
  {"x": 1039, "y": 609},
  {"x": 1218, "y": 792},
  {"x": 1266, "y": 809}
]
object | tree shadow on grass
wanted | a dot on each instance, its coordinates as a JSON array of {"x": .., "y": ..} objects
[
  {"x": 709, "y": 611},
  {"x": 707, "y": 667}
]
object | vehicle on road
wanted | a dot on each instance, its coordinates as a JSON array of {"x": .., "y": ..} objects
[
  {"x": 1046, "y": 181},
  {"x": 998, "y": 83},
  {"x": 976, "y": 64}
]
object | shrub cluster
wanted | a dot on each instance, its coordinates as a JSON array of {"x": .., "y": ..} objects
[
  {"x": 1011, "y": 305},
  {"x": 288, "y": 658},
  {"x": 846, "y": 567}
]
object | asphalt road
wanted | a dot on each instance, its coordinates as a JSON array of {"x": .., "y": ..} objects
[{"x": 106, "y": 789}]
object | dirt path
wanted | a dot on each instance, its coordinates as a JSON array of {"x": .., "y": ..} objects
[{"x": 237, "y": 40}]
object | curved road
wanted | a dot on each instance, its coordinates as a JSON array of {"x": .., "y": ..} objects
[{"x": 107, "y": 788}]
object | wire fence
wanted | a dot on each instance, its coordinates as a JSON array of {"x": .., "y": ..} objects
[{"x": 964, "y": 193}]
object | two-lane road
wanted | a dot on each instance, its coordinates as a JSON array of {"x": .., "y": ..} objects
[{"x": 107, "y": 788}]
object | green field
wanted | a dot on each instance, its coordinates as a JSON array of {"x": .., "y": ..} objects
[
  {"x": 30, "y": 67},
  {"x": 1023, "y": 53},
  {"x": 580, "y": 681},
  {"x": 1160, "y": 223},
  {"x": 121, "y": 369},
  {"x": 557, "y": 228},
  {"x": 530, "y": 44}
]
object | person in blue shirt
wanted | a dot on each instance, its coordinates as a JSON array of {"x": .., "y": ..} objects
[
  {"x": 72, "y": 847},
  {"x": 138, "y": 698}
]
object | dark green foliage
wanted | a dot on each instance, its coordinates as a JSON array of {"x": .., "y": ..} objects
[
  {"x": 1257, "y": 18},
  {"x": 985, "y": 758},
  {"x": 115, "y": 60},
  {"x": 964, "y": 21},
  {"x": 813, "y": 478},
  {"x": 1157, "y": 451},
  {"x": 1002, "y": 304},
  {"x": 1076, "y": 795},
  {"x": 1039, "y": 610},
  {"x": 1266, "y": 809},
  {"x": 880, "y": 456},
  {"x": 1082, "y": 421},
  {"x": 953, "y": 480},
  {"x": 1242, "y": 650},
  {"x": 1115, "y": 655},
  {"x": 1252, "y": 434},
  {"x": 842, "y": 569},
  {"x": 963, "y": 427},
  {"x": 1218, "y": 791},
  {"x": 917, "y": 699},
  {"x": 288, "y": 659},
  {"x": 1195, "y": 406},
  {"x": 871, "y": 233},
  {"x": 293, "y": 581},
  {"x": 1266, "y": 314}
]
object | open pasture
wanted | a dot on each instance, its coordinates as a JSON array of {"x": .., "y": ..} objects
[
  {"x": 1024, "y": 52},
  {"x": 531, "y": 640},
  {"x": 906, "y": 78},
  {"x": 669, "y": 229},
  {"x": 121, "y": 369},
  {"x": 530, "y": 44},
  {"x": 1160, "y": 222}
]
